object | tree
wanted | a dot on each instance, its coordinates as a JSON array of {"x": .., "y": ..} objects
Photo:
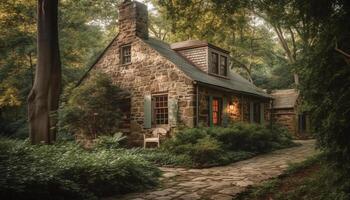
[
  {"x": 85, "y": 28},
  {"x": 229, "y": 24},
  {"x": 44, "y": 96}
]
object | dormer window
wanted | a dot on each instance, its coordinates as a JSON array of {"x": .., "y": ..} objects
[
  {"x": 223, "y": 65},
  {"x": 215, "y": 63},
  {"x": 126, "y": 54},
  {"x": 218, "y": 64}
]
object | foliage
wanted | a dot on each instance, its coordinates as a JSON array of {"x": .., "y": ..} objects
[
  {"x": 91, "y": 108},
  {"x": 326, "y": 74},
  {"x": 218, "y": 145},
  {"x": 111, "y": 141},
  {"x": 65, "y": 170},
  {"x": 85, "y": 27},
  {"x": 234, "y": 26},
  {"x": 161, "y": 157},
  {"x": 313, "y": 179}
]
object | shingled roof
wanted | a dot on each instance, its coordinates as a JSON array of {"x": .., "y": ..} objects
[
  {"x": 284, "y": 98},
  {"x": 235, "y": 82}
]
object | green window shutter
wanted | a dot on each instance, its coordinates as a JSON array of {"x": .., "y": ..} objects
[
  {"x": 173, "y": 111},
  {"x": 251, "y": 112},
  {"x": 210, "y": 111},
  {"x": 224, "y": 112},
  {"x": 147, "y": 111},
  {"x": 262, "y": 113}
]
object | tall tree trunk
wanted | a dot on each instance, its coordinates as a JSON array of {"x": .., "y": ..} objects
[{"x": 45, "y": 92}]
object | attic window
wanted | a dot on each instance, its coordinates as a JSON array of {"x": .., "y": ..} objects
[
  {"x": 215, "y": 63},
  {"x": 126, "y": 54}
]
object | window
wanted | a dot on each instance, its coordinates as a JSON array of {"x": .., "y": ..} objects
[
  {"x": 223, "y": 65},
  {"x": 160, "y": 109},
  {"x": 126, "y": 54},
  {"x": 215, "y": 63},
  {"x": 256, "y": 113},
  {"x": 216, "y": 109},
  {"x": 302, "y": 123}
]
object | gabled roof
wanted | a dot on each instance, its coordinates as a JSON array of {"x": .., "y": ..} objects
[
  {"x": 234, "y": 82},
  {"x": 285, "y": 98},
  {"x": 194, "y": 44}
]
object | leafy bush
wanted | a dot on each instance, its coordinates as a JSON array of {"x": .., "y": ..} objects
[
  {"x": 111, "y": 141},
  {"x": 66, "y": 171},
  {"x": 90, "y": 109},
  {"x": 219, "y": 145}
]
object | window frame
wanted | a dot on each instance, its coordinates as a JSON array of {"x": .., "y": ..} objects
[
  {"x": 160, "y": 109},
  {"x": 123, "y": 57},
  {"x": 218, "y": 64}
]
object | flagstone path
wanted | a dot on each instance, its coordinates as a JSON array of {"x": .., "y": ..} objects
[{"x": 221, "y": 183}]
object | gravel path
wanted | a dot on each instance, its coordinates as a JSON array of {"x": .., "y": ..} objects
[{"x": 221, "y": 183}]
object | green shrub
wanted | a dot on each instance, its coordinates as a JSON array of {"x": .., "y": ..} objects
[
  {"x": 251, "y": 137},
  {"x": 207, "y": 151},
  {"x": 90, "y": 109},
  {"x": 218, "y": 145},
  {"x": 66, "y": 171},
  {"x": 112, "y": 142}
]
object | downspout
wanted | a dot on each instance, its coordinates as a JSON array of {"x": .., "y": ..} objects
[
  {"x": 197, "y": 104},
  {"x": 271, "y": 110},
  {"x": 242, "y": 109}
]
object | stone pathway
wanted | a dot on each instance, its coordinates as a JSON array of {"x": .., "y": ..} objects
[{"x": 221, "y": 183}]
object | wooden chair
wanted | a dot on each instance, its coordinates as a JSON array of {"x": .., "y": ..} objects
[{"x": 155, "y": 137}]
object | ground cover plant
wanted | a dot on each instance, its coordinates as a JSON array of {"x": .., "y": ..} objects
[
  {"x": 67, "y": 171},
  {"x": 313, "y": 179}
]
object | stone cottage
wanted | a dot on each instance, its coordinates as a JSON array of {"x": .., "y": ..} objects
[
  {"x": 183, "y": 84},
  {"x": 285, "y": 111}
]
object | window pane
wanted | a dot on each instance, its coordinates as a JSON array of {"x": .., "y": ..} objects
[
  {"x": 161, "y": 109},
  {"x": 126, "y": 54},
  {"x": 215, "y": 63},
  {"x": 223, "y": 65},
  {"x": 216, "y": 111}
]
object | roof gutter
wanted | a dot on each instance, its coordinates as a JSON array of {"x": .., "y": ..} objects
[{"x": 231, "y": 90}]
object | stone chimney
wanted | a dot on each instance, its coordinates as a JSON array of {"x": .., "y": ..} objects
[{"x": 133, "y": 19}]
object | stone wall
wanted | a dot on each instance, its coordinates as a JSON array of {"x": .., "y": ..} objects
[
  {"x": 148, "y": 73},
  {"x": 286, "y": 117}
]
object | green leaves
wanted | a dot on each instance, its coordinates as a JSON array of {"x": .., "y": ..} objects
[
  {"x": 91, "y": 108},
  {"x": 66, "y": 171},
  {"x": 219, "y": 146}
]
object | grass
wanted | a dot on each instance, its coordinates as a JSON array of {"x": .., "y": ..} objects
[{"x": 314, "y": 179}]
